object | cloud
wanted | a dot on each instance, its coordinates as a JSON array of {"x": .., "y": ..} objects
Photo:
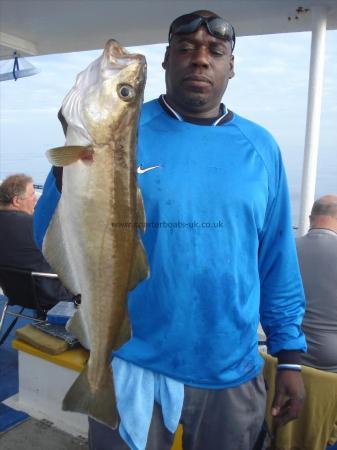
[{"x": 278, "y": 68}]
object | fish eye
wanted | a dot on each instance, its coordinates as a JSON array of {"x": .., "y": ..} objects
[{"x": 126, "y": 92}]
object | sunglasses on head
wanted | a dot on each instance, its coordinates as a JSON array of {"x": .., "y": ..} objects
[{"x": 216, "y": 26}]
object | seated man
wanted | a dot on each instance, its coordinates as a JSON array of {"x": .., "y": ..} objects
[
  {"x": 17, "y": 245},
  {"x": 317, "y": 254}
]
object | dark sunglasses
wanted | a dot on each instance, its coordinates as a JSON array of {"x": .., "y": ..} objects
[{"x": 189, "y": 23}]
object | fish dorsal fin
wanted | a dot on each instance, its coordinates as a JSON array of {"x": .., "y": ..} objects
[
  {"x": 140, "y": 214},
  {"x": 63, "y": 156},
  {"x": 140, "y": 268}
]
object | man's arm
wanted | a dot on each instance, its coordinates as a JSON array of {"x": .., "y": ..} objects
[
  {"x": 45, "y": 208},
  {"x": 50, "y": 197},
  {"x": 289, "y": 396},
  {"x": 63, "y": 121},
  {"x": 282, "y": 302}
]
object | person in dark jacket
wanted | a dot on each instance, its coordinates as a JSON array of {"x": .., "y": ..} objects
[{"x": 17, "y": 245}]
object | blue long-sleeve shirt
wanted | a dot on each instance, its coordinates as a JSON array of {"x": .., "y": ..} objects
[{"x": 220, "y": 248}]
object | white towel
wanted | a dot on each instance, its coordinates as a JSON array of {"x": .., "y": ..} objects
[{"x": 136, "y": 390}]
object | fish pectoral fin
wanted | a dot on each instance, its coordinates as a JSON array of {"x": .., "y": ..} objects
[
  {"x": 99, "y": 404},
  {"x": 63, "y": 156},
  {"x": 140, "y": 268},
  {"x": 140, "y": 217}
]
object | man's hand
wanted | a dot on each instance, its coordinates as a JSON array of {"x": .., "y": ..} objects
[{"x": 289, "y": 396}]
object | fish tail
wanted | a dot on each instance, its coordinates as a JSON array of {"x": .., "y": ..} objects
[{"x": 99, "y": 404}]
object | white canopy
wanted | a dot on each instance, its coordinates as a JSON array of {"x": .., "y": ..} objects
[{"x": 39, "y": 27}]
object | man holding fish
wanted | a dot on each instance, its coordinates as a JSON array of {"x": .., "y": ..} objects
[{"x": 218, "y": 241}]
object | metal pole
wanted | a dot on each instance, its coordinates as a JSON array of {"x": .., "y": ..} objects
[
  {"x": 3, "y": 315},
  {"x": 319, "y": 19}
]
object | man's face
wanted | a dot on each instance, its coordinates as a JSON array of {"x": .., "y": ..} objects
[
  {"x": 27, "y": 201},
  {"x": 198, "y": 67}
]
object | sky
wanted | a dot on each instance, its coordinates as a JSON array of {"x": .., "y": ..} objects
[{"x": 270, "y": 87}]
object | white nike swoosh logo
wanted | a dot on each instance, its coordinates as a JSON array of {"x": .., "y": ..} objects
[{"x": 140, "y": 170}]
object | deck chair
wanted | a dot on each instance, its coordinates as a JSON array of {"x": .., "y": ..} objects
[{"x": 20, "y": 289}]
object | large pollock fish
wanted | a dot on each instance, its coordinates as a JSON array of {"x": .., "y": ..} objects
[{"x": 92, "y": 241}]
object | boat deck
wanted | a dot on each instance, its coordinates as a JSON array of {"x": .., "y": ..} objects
[
  {"x": 39, "y": 435},
  {"x": 19, "y": 431}
]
